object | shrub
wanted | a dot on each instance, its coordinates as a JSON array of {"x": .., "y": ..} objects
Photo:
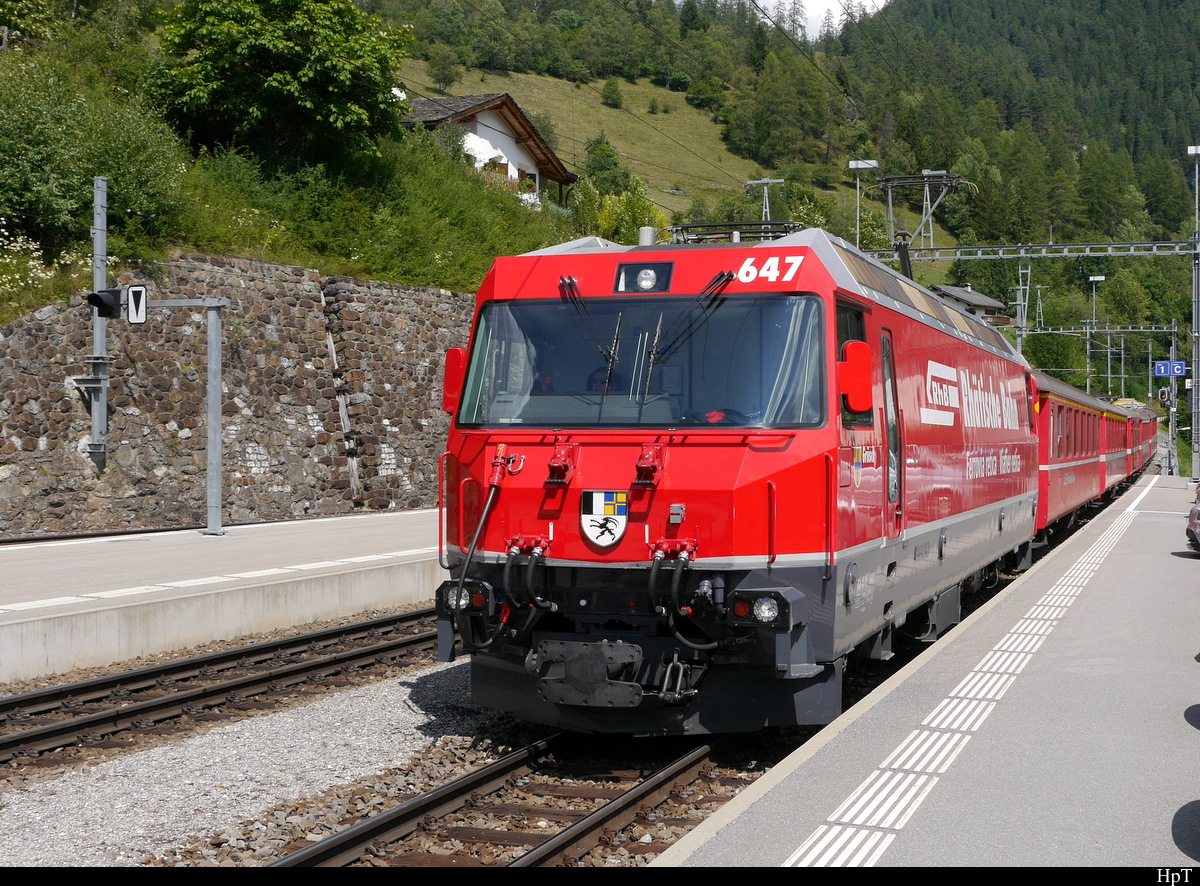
[
  {"x": 610, "y": 95},
  {"x": 58, "y": 133}
]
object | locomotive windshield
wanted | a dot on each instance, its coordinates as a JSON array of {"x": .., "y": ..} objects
[{"x": 746, "y": 361}]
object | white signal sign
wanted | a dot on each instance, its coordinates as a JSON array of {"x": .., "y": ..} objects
[{"x": 136, "y": 304}]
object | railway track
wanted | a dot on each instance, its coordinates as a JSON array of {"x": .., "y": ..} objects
[
  {"x": 547, "y": 804},
  {"x": 81, "y": 714}
]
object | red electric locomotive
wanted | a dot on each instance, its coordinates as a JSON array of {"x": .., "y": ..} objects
[{"x": 686, "y": 482}]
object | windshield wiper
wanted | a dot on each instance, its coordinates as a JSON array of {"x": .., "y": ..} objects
[
  {"x": 570, "y": 292},
  {"x": 653, "y": 358},
  {"x": 610, "y": 359},
  {"x": 708, "y": 297}
]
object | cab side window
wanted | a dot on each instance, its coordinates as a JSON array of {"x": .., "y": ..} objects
[{"x": 852, "y": 326}]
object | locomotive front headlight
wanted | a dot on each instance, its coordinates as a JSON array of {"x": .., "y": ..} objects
[
  {"x": 766, "y": 609},
  {"x": 457, "y": 598},
  {"x": 647, "y": 279}
]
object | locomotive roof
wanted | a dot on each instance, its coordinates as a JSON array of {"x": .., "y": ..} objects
[{"x": 852, "y": 271}]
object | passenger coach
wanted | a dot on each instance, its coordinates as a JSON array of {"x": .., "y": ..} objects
[{"x": 1087, "y": 448}]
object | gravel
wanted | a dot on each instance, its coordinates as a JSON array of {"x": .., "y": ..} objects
[{"x": 128, "y": 810}]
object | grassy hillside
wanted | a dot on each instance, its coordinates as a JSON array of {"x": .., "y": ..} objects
[
  {"x": 680, "y": 149},
  {"x": 679, "y": 154},
  {"x": 676, "y": 151}
]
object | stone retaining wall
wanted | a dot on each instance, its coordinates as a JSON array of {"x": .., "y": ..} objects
[{"x": 331, "y": 401}]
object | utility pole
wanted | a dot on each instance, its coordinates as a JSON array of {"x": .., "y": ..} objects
[
  {"x": 212, "y": 308},
  {"x": 1122, "y": 367},
  {"x": 858, "y": 166},
  {"x": 1194, "y": 399},
  {"x": 1108, "y": 360},
  {"x": 1093, "y": 280},
  {"x": 95, "y": 386},
  {"x": 1171, "y": 453},
  {"x": 766, "y": 184}
]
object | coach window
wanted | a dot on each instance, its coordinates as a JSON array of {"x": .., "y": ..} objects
[
  {"x": 852, "y": 326},
  {"x": 1058, "y": 436}
]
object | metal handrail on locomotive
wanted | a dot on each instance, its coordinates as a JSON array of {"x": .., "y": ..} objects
[{"x": 686, "y": 482}]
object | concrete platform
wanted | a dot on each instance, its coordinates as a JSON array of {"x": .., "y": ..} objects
[
  {"x": 1059, "y": 725},
  {"x": 87, "y": 602}
]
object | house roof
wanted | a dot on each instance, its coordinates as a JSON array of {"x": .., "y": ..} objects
[
  {"x": 452, "y": 109},
  {"x": 969, "y": 296}
]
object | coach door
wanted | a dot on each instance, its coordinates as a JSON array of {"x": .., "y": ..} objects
[{"x": 894, "y": 507}]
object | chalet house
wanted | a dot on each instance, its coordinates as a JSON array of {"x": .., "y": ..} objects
[
  {"x": 498, "y": 136},
  {"x": 967, "y": 299}
]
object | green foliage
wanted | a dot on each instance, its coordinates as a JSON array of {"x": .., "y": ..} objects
[
  {"x": 585, "y": 202},
  {"x": 57, "y": 133},
  {"x": 32, "y": 20},
  {"x": 444, "y": 68},
  {"x": 780, "y": 121},
  {"x": 28, "y": 279},
  {"x": 227, "y": 195},
  {"x": 706, "y": 95},
  {"x": 610, "y": 95},
  {"x": 491, "y": 38},
  {"x": 415, "y": 213},
  {"x": 604, "y": 169},
  {"x": 295, "y": 81},
  {"x": 622, "y": 216}
]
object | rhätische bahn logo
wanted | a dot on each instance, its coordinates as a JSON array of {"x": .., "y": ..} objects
[{"x": 603, "y": 515}]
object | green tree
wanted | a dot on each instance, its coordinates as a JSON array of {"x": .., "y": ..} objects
[
  {"x": 1105, "y": 181},
  {"x": 57, "y": 132},
  {"x": 490, "y": 37},
  {"x": 621, "y": 216},
  {"x": 585, "y": 205},
  {"x": 690, "y": 18},
  {"x": 1124, "y": 300},
  {"x": 29, "y": 20},
  {"x": 444, "y": 69},
  {"x": 441, "y": 21},
  {"x": 610, "y": 95},
  {"x": 603, "y": 167},
  {"x": 1023, "y": 165},
  {"x": 1168, "y": 199},
  {"x": 293, "y": 80}
]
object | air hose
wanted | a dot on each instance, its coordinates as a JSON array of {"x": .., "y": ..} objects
[
  {"x": 677, "y": 608},
  {"x": 499, "y": 463}
]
